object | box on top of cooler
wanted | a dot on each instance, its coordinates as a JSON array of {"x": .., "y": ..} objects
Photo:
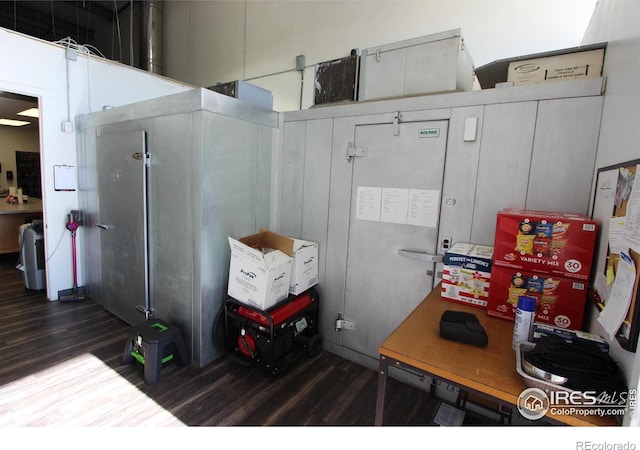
[
  {"x": 560, "y": 244},
  {"x": 466, "y": 273}
]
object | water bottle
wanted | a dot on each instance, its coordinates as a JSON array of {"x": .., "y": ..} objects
[{"x": 525, "y": 315}]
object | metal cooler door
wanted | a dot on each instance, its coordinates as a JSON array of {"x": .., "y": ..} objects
[
  {"x": 393, "y": 230},
  {"x": 122, "y": 220}
]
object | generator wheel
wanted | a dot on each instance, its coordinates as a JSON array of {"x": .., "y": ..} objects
[{"x": 315, "y": 346}]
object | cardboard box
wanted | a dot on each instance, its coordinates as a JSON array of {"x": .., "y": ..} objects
[
  {"x": 583, "y": 64},
  {"x": 558, "y": 244},
  {"x": 560, "y": 301},
  {"x": 259, "y": 271},
  {"x": 466, "y": 274},
  {"x": 304, "y": 273},
  {"x": 304, "y": 268}
]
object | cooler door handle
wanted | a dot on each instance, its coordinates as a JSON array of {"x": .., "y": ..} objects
[{"x": 422, "y": 256}]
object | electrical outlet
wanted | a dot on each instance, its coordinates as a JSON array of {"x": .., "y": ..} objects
[
  {"x": 445, "y": 243},
  {"x": 67, "y": 126},
  {"x": 300, "y": 62}
]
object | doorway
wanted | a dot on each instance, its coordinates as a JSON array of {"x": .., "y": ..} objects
[
  {"x": 19, "y": 142},
  {"x": 20, "y": 176}
]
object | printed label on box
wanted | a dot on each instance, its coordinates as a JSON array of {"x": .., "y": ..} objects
[{"x": 466, "y": 274}]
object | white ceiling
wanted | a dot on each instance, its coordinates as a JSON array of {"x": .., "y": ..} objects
[{"x": 12, "y": 104}]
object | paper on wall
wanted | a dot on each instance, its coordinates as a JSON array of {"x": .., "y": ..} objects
[
  {"x": 632, "y": 219},
  {"x": 616, "y": 234},
  {"x": 617, "y": 306},
  {"x": 398, "y": 205}
]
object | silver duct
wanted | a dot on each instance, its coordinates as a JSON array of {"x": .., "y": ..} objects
[{"x": 151, "y": 39}]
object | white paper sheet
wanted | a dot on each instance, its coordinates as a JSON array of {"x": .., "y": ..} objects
[
  {"x": 632, "y": 222},
  {"x": 617, "y": 306},
  {"x": 64, "y": 178},
  {"x": 616, "y": 235},
  {"x": 423, "y": 207},
  {"x": 398, "y": 205},
  {"x": 368, "y": 203},
  {"x": 395, "y": 205}
]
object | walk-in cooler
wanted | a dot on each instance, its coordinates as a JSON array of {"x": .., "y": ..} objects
[{"x": 163, "y": 183}]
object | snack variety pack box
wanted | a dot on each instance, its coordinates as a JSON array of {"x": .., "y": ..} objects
[
  {"x": 560, "y": 301},
  {"x": 559, "y": 244},
  {"x": 466, "y": 274}
]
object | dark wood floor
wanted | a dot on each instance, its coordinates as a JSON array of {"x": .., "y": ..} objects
[{"x": 61, "y": 365}]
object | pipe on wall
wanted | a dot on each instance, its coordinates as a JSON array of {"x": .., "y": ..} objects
[{"x": 151, "y": 37}]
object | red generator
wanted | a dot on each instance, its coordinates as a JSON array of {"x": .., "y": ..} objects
[{"x": 272, "y": 339}]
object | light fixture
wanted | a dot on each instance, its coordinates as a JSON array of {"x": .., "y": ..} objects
[
  {"x": 13, "y": 123},
  {"x": 31, "y": 112}
]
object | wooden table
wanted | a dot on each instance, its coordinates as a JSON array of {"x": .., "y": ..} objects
[
  {"x": 11, "y": 217},
  {"x": 489, "y": 371}
]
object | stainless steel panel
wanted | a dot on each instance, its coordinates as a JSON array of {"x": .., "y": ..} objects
[
  {"x": 231, "y": 175},
  {"x": 171, "y": 212},
  {"x": 292, "y": 178},
  {"x": 122, "y": 203},
  {"x": 89, "y": 263},
  {"x": 460, "y": 177},
  {"x": 317, "y": 187},
  {"x": 564, "y": 152},
  {"x": 503, "y": 171}
]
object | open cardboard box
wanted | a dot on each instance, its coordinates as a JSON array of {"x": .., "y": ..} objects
[{"x": 266, "y": 266}]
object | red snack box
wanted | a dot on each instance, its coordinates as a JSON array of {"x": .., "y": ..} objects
[
  {"x": 560, "y": 301},
  {"x": 559, "y": 244}
]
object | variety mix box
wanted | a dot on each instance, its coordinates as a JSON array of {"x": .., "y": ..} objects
[
  {"x": 466, "y": 274},
  {"x": 560, "y": 301},
  {"x": 266, "y": 267},
  {"x": 543, "y": 254},
  {"x": 551, "y": 243}
]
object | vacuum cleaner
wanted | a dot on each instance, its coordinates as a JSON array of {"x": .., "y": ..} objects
[{"x": 75, "y": 294}]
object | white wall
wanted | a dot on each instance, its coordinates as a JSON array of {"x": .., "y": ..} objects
[
  {"x": 616, "y": 22},
  {"x": 207, "y": 42},
  {"x": 65, "y": 89}
]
